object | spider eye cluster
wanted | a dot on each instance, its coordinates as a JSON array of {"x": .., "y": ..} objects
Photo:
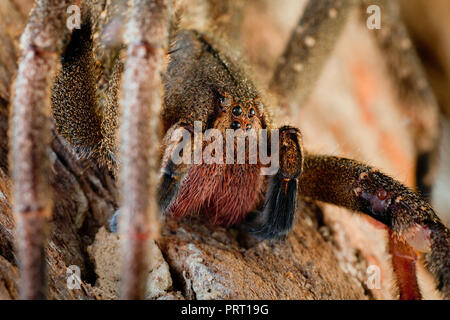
[
  {"x": 241, "y": 114},
  {"x": 243, "y": 118}
]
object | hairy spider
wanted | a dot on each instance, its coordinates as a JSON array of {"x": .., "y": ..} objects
[{"x": 200, "y": 81}]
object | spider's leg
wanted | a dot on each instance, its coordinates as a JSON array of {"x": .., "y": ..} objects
[
  {"x": 411, "y": 219},
  {"x": 276, "y": 217},
  {"x": 42, "y": 43},
  {"x": 310, "y": 44},
  {"x": 109, "y": 50},
  {"x": 414, "y": 90},
  {"x": 146, "y": 36},
  {"x": 404, "y": 260},
  {"x": 175, "y": 164},
  {"x": 74, "y": 100}
]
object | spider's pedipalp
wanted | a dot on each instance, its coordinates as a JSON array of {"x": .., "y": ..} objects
[
  {"x": 172, "y": 174},
  {"x": 147, "y": 37},
  {"x": 42, "y": 43},
  {"x": 411, "y": 219},
  {"x": 277, "y": 216}
]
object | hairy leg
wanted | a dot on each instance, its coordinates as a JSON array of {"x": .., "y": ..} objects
[
  {"x": 42, "y": 43},
  {"x": 109, "y": 50},
  {"x": 411, "y": 219},
  {"x": 141, "y": 104},
  {"x": 308, "y": 49},
  {"x": 74, "y": 100},
  {"x": 409, "y": 78},
  {"x": 404, "y": 260}
]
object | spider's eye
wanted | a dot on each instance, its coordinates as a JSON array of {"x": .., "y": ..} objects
[
  {"x": 237, "y": 111},
  {"x": 249, "y": 127},
  {"x": 235, "y": 125},
  {"x": 251, "y": 112},
  {"x": 224, "y": 102}
]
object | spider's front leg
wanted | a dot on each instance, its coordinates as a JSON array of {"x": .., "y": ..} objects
[
  {"x": 147, "y": 41},
  {"x": 411, "y": 219},
  {"x": 42, "y": 43},
  {"x": 276, "y": 217}
]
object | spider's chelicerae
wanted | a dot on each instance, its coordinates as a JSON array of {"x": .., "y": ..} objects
[{"x": 166, "y": 78}]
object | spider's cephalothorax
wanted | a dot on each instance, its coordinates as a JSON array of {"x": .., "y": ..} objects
[{"x": 201, "y": 84}]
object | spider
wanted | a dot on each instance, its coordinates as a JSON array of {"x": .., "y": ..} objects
[{"x": 170, "y": 79}]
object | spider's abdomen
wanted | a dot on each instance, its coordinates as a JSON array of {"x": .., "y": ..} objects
[{"x": 226, "y": 193}]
